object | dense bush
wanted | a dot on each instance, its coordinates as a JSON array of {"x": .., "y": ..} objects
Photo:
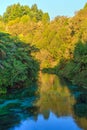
[
  {"x": 17, "y": 66},
  {"x": 76, "y": 69}
]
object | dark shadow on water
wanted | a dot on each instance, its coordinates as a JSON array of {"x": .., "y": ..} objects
[{"x": 18, "y": 106}]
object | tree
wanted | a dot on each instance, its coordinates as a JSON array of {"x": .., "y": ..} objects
[{"x": 45, "y": 18}]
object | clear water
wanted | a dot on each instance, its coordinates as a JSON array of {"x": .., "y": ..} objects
[{"x": 52, "y": 104}]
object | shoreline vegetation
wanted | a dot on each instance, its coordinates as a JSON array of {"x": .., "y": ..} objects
[
  {"x": 30, "y": 41},
  {"x": 18, "y": 68}
]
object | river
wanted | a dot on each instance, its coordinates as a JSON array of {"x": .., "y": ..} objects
[{"x": 50, "y": 104}]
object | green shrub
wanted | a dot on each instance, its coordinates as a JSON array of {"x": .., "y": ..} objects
[{"x": 17, "y": 66}]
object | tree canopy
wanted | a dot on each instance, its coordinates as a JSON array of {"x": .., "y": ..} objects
[
  {"x": 62, "y": 41},
  {"x": 16, "y": 10}
]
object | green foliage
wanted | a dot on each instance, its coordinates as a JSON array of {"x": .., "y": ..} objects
[
  {"x": 45, "y": 18},
  {"x": 57, "y": 40},
  {"x": 17, "y": 66},
  {"x": 12, "y": 12},
  {"x": 76, "y": 69},
  {"x": 17, "y": 10},
  {"x": 25, "y": 18}
]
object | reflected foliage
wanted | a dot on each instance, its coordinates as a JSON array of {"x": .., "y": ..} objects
[
  {"x": 63, "y": 51},
  {"x": 80, "y": 108},
  {"x": 15, "y": 107},
  {"x": 63, "y": 99},
  {"x": 53, "y": 95}
]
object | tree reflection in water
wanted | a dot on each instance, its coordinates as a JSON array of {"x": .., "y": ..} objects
[
  {"x": 55, "y": 104},
  {"x": 63, "y": 99}
]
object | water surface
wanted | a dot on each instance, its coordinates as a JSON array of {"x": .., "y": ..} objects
[{"x": 53, "y": 103}]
